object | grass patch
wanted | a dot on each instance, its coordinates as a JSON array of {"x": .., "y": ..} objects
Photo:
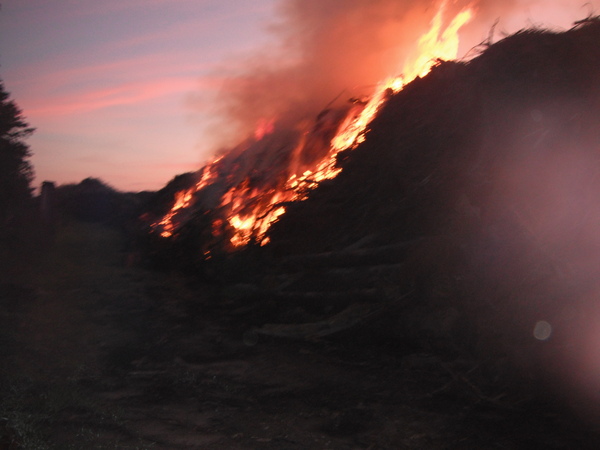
[
  {"x": 33, "y": 411},
  {"x": 62, "y": 415},
  {"x": 47, "y": 408}
]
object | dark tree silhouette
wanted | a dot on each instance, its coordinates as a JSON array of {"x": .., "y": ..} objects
[{"x": 16, "y": 173}]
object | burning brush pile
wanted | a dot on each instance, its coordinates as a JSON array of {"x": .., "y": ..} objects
[
  {"x": 464, "y": 215},
  {"x": 244, "y": 191}
]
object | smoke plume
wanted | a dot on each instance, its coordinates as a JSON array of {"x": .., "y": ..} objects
[
  {"x": 336, "y": 49},
  {"x": 327, "y": 50}
]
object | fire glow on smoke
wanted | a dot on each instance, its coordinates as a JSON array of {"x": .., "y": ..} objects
[{"x": 246, "y": 208}]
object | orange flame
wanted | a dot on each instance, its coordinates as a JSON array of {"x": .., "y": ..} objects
[
  {"x": 264, "y": 127},
  {"x": 184, "y": 198},
  {"x": 249, "y": 211}
]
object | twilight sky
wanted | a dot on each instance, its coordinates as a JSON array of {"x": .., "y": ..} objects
[{"x": 126, "y": 90}]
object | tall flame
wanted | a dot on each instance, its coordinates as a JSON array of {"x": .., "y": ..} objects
[{"x": 249, "y": 210}]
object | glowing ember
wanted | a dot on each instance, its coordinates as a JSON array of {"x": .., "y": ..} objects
[
  {"x": 247, "y": 208},
  {"x": 264, "y": 127},
  {"x": 184, "y": 198}
]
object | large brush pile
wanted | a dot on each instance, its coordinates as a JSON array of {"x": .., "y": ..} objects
[
  {"x": 469, "y": 220},
  {"x": 447, "y": 144}
]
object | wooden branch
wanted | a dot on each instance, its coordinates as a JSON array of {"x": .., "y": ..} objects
[
  {"x": 353, "y": 257},
  {"x": 377, "y": 269},
  {"x": 324, "y": 297},
  {"x": 239, "y": 292},
  {"x": 361, "y": 275},
  {"x": 353, "y": 316}
]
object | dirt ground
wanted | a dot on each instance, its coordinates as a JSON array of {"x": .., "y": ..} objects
[{"x": 101, "y": 354}]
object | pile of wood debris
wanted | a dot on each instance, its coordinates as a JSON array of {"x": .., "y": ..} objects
[{"x": 468, "y": 221}]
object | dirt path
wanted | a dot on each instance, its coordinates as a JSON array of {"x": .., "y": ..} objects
[{"x": 101, "y": 355}]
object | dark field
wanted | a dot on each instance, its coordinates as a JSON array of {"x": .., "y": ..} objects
[{"x": 97, "y": 354}]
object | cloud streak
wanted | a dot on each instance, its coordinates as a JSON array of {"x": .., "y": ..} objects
[
  {"x": 92, "y": 87},
  {"x": 124, "y": 94}
]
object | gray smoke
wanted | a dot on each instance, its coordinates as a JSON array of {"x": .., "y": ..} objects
[{"x": 336, "y": 49}]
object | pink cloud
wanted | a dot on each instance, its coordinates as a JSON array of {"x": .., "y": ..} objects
[
  {"x": 87, "y": 88},
  {"x": 128, "y": 93},
  {"x": 50, "y": 75}
]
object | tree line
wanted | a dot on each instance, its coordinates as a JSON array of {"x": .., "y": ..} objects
[{"x": 16, "y": 172}]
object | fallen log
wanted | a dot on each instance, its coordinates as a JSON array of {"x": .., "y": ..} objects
[
  {"x": 387, "y": 254},
  {"x": 333, "y": 280},
  {"x": 353, "y": 316},
  {"x": 239, "y": 292},
  {"x": 356, "y": 295}
]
